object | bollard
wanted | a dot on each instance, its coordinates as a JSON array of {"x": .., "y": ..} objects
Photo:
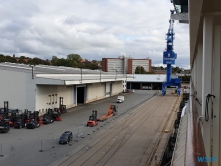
[
  {"x": 1, "y": 152},
  {"x": 155, "y": 157},
  {"x": 41, "y": 146}
]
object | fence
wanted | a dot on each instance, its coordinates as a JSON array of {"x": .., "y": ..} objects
[{"x": 49, "y": 144}]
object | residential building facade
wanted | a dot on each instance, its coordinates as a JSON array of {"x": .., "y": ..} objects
[{"x": 125, "y": 65}]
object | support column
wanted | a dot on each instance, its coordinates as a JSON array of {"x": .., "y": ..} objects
[
  {"x": 199, "y": 78},
  {"x": 216, "y": 90},
  {"x": 75, "y": 95},
  {"x": 195, "y": 72},
  {"x": 207, "y": 78}
]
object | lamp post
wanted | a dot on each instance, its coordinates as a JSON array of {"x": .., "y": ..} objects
[
  {"x": 116, "y": 75},
  {"x": 32, "y": 71},
  {"x": 81, "y": 75},
  {"x": 100, "y": 75}
]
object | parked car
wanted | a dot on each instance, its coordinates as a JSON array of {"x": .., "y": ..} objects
[{"x": 66, "y": 137}]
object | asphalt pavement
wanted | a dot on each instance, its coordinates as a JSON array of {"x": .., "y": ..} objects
[{"x": 39, "y": 147}]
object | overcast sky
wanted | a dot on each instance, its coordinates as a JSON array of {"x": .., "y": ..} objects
[{"x": 94, "y": 29}]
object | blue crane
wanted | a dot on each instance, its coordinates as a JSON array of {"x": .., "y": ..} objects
[{"x": 169, "y": 59}]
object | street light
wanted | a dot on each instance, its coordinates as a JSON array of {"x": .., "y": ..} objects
[
  {"x": 81, "y": 75},
  {"x": 32, "y": 71},
  {"x": 116, "y": 74},
  {"x": 100, "y": 75}
]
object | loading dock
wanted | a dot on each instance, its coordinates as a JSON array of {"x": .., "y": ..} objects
[
  {"x": 108, "y": 89},
  {"x": 80, "y": 95},
  {"x": 146, "y": 82}
]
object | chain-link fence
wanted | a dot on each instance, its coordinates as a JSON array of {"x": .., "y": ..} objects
[{"x": 49, "y": 144}]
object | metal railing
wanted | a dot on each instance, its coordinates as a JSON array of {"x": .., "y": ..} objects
[{"x": 194, "y": 142}]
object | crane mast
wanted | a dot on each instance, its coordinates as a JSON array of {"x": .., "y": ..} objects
[{"x": 169, "y": 59}]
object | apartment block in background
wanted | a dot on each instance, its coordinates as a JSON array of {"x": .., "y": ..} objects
[{"x": 125, "y": 65}]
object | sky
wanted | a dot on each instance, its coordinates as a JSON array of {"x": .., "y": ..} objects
[{"x": 94, "y": 29}]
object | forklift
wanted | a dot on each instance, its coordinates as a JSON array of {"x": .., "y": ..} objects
[
  {"x": 34, "y": 120},
  {"x": 22, "y": 119},
  {"x": 62, "y": 107},
  {"x": 92, "y": 119},
  {"x": 13, "y": 119},
  {"x": 56, "y": 114},
  {"x": 4, "y": 121},
  {"x": 112, "y": 112}
]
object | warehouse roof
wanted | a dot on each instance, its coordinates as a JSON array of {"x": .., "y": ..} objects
[
  {"x": 66, "y": 75},
  {"x": 47, "y": 69}
]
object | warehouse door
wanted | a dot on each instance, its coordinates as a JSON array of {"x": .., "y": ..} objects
[
  {"x": 80, "y": 95},
  {"x": 108, "y": 89}
]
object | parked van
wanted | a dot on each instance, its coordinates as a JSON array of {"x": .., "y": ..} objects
[{"x": 120, "y": 99}]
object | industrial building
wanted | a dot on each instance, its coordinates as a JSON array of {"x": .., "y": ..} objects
[
  {"x": 147, "y": 81},
  {"x": 40, "y": 87},
  {"x": 125, "y": 65}
]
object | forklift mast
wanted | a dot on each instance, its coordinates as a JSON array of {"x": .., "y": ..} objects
[
  {"x": 62, "y": 107},
  {"x": 93, "y": 117},
  {"x": 5, "y": 114}
]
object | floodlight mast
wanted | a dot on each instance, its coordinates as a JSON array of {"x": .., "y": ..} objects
[{"x": 169, "y": 59}]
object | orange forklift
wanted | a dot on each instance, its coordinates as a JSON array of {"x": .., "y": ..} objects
[
  {"x": 112, "y": 112},
  {"x": 92, "y": 120}
]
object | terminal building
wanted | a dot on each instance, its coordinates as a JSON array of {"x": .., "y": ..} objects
[
  {"x": 37, "y": 88},
  {"x": 125, "y": 65}
]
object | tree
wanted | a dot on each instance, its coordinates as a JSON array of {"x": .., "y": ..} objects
[
  {"x": 37, "y": 61},
  {"x": 62, "y": 62},
  {"x": 54, "y": 60},
  {"x": 74, "y": 60},
  {"x": 140, "y": 70}
]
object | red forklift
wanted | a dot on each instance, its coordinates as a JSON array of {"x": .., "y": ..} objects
[
  {"x": 22, "y": 119},
  {"x": 34, "y": 120},
  {"x": 4, "y": 119},
  {"x": 92, "y": 120},
  {"x": 13, "y": 119},
  {"x": 112, "y": 112},
  {"x": 62, "y": 107},
  {"x": 56, "y": 114}
]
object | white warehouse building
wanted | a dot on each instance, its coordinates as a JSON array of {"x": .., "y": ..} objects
[{"x": 40, "y": 87}]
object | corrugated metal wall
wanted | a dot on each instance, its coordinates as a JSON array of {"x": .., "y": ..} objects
[
  {"x": 18, "y": 89},
  {"x": 117, "y": 87},
  {"x": 48, "y": 96},
  {"x": 95, "y": 91}
]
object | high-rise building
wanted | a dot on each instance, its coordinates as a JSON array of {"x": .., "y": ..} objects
[{"x": 125, "y": 65}]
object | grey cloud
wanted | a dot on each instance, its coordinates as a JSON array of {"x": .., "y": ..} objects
[
  {"x": 75, "y": 20},
  {"x": 94, "y": 30}
]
